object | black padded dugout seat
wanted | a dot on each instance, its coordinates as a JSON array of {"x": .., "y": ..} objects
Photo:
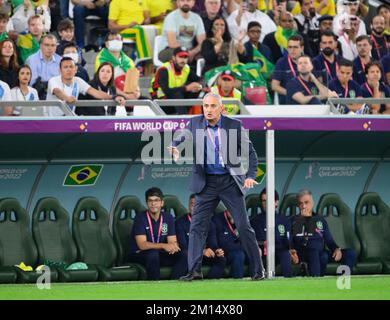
[
  {"x": 339, "y": 218},
  {"x": 289, "y": 205},
  {"x": 125, "y": 211},
  {"x": 95, "y": 243},
  {"x": 173, "y": 206},
  {"x": 253, "y": 205},
  {"x": 372, "y": 219},
  {"x": 17, "y": 244},
  {"x": 50, "y": 228}
]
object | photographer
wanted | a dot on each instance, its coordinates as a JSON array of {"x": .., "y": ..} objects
[{"x": 310, "y": 235}]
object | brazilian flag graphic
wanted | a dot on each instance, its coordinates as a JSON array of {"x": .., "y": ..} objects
[
  {"x": 260, "y": 173},
  {"x": 83, "y": 175}
]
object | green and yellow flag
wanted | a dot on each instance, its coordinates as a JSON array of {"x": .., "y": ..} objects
[
  {"x": 267, "y": 66},
  {"x": 138, "y": 35},
  {"x": 83, "y": 175},
  {"x": 124, "y": 62},
  {"x": 260, "y": 172}
]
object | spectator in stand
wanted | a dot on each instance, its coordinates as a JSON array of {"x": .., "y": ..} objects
[
  {"x": 8, "y": 63},
  {"x": 253, "y": 48},
  {"x": 158, "y": 10},
  {"x": 211, "y": 13},
  {"x": 380, "y": 41},
  {"x": 306, "y": 88},
  {"x": 153, "y": 239},
  {"x": 213, "y": 255},
  {"x": 364, "y": 47},
  {"x": 308, "y": 24},
  {"x": 226, "y": 89},
  {"x": 326, "y": 63},
  {"x": 238, "y": 21},
  {"x": 277, "y": 41},
  {"x": 286, "y": 67},
  {"x": 348, "y": 37},
  {"x": 103, "y": 80},
  {"x": 6, "y": 27},
  {"x": 29, "y": 43},
  {"x": 180, "y": 29},
  {"x": 23, "y": 10},
  {"x": 325, "y": 24},
  {"x": 217, "y": 50},
  {"x": 65, "y": 30},
  {"x": 351, "y": 9},
  {"x": 114, "y": 54},
  {"x": 44, "y": 64},
  {"x": 70, "y": 50},
  {"x": 363, "y": 8},
  {"x": 345, "y": 87},
  {"x": 84, "y": 8},
  {"x": 375, "y": 88},
  {"x": 22, "y": 91},
  {"x": 176, "y": 80},
  {"x": 5, "y": 95},
  {"x": 325, "y": 7},
  {"x": 384, "y": 11},
  {"x": 67, "y": 87},
  {"x": 127, "y": 17},
  {"x": 386, "y": 68}
]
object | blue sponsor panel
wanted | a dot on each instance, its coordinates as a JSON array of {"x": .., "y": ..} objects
[
  {"x": 16, "y": 181},
  {"x": 175, "y": 179},
  {"x": 381, "y": 182},
  {"x": 57, "y": 182},
  {"x": 170, "y": 178},
  {"x": 347, "y": 178}
]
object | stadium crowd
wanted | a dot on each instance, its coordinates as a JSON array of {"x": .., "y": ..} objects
[{"x": 256, "y": 51}]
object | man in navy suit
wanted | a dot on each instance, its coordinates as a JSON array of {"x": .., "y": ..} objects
[{"x": 218, "y": 143}]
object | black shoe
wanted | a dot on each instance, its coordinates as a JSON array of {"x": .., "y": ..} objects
[
  {"x": 304, "y": 270},
  {"x": 190, "y": 276},
  {"x": 258, "y": 276}
]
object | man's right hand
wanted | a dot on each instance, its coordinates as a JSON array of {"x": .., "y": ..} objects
[
  {"x": 194, "y": 87},
  {"x": 70, "y": 100},
  {"x": 208, "y": 253},
  {"x": 294, "y": 256},
  {"x": 88, "y": 4},
  {"x": 219, "y": 252},
  {"x": 171, "y": 247},
  {"x": 173, "y": 151}
]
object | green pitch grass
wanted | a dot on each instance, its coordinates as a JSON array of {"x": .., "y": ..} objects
[{"x": 362, "y": 287}]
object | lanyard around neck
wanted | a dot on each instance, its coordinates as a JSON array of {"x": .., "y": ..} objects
[
  {"x": 151, "y": 227},
  {"x": 305, "y": 86}
]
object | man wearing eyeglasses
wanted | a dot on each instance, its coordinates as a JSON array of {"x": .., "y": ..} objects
[{"x": 153, "y": 241}]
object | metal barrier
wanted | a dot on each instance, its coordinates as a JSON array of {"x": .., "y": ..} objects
[
  {"x": 337, "y": 103},
  {"x": 81, "y": 103}
]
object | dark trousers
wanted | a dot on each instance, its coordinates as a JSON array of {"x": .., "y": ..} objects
[
  {"x": 317, "y": 259},
  {"x": 79, "y": 14},
  {"x": 221, "y": 187},
  {"x": 283, "y": 258},
  {"x": 349, "y": 258},
  {"x": 217, "y": 264},
  {"x": 152, "y": 260},
  {"x": 236, "y": 260}
]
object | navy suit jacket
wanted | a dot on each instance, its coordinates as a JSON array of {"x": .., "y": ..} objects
[{"x": 235, "y": 144}]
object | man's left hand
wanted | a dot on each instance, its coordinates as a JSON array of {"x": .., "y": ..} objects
[
  {"x": 337, "y": 255},
  {"x": 249, "y": 183}
]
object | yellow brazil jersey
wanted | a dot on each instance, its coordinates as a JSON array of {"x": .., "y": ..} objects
[
  {"x": 156, "y": 7},
  {"x": 329, "y": 9},
  {"x": 126, "y": 11}
]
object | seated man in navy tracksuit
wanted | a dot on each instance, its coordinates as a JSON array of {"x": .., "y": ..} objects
[
  {"x": 311, "y": 234},
  {"x": 282, "y": 234},
  {"x": 153, "y": 240},
  {"x": 229, "y": 240},
  {"x": 213, "y": 255}
]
